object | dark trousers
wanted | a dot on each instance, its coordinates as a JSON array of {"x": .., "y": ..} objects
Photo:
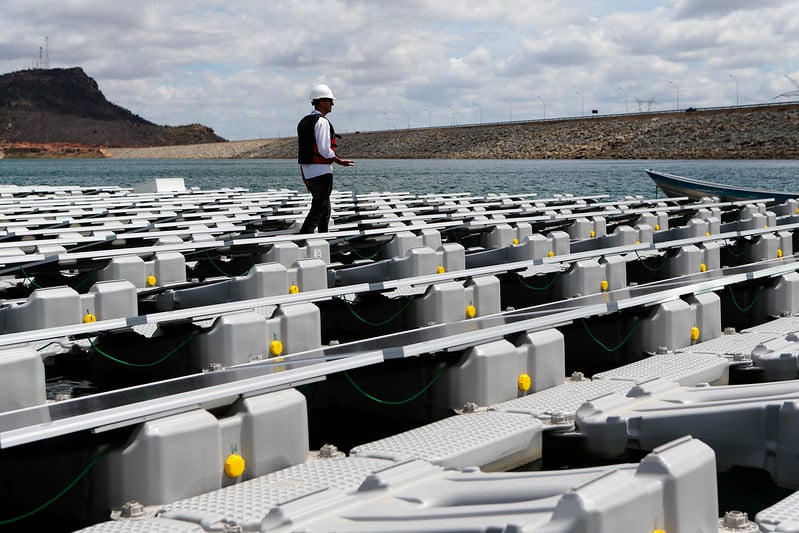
[{"x": 320, "y": 188}]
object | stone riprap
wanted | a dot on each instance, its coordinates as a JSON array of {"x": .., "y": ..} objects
[{"x": 764, "y": 132}]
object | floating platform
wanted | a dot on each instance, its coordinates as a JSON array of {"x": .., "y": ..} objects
[{"x": 177, "y": 359}]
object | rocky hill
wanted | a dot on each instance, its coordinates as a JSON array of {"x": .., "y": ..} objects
[
  {"x": 43, "y": 106},
  {"x": 756, "y": 132}
]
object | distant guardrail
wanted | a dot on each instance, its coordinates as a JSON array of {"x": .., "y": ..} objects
[{"x": 589, "y": 117}]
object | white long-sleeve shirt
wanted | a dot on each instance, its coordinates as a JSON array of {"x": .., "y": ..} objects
[{"x": 322, "y": 135}]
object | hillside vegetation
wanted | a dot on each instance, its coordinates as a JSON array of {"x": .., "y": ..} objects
[{"x": 59, "y": 110}]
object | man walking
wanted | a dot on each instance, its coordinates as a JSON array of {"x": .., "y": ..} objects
[{"x": 317, "y": 152}]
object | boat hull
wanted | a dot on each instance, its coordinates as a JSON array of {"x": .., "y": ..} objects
[{"x": 679, "y": 186}]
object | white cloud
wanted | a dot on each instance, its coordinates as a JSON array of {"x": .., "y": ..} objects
[{"x": 245, "y": 68}]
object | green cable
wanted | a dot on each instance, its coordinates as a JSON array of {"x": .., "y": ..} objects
[
  {"x": 623, "y": 341},
  {"x": 57, "y": 496},
  {"x": 545, "y": 287},
  {"x": 400, "y": 402},
  {"x": 748, "y": 307},
  {"x": 365, "y": 256},
  {"x": 29, "y": 279},
  {"x": 213, "y": 263},
  {"x": 40, "y": 348},
  {"x": 384, "y": 322},
  {"x": 76, "y": 286},
  {"x": 651, "y": 269},
  {"x": 144, "y": 365},
  {"x": 86, "y": 279},
  {"x": 743, "y": 251}
]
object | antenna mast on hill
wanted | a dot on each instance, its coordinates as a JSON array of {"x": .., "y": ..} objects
[
  {"x": 44, "y": 62},
  {"x": 642, "y": 103}
]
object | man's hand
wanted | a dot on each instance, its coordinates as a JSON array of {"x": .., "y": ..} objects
[{"x": 344, "y": 162}]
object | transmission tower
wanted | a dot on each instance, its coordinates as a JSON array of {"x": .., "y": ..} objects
[
  {"x": 790, "y": 94},
  {"x": 644, "y": 103},
  {"x": 44, "y": 56}
]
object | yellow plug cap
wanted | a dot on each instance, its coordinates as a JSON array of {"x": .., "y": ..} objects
[
  {"x": 234, "y": 465},
  {"x": 294, "y": 289},
  {"x": 524, "y": 382},
  {"x": 151, "y": 281},
  {"x": 694, "y": 333},
  {"x": 471, "y": 311},
  {"x": 703, "y": 267},
  {"x": 551, "y": 253},
  {"x": 276, "y": 347},
  {"x": 779, "y": 252},
  {"x": 88, "y": 317},
  {"x": 603, "y": 285},
  {"x": 592, "y": 234},
  {"x": 657, "y": 227},
  {"x": 515, "y": 241},
  {"x": 440, "y": 269}
]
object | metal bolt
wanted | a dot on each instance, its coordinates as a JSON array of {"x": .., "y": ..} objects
[
  {"x": 577, "y": 376},
  {"x": 737, "y": 521},
  {"x": 469, "y": 407},
  {"x": 131, "y": 509},
  {"x": 61, "y": 396},
  {"x": 729, "y": 331},
  {"x": 231, "y": 527},
  {"x": 214, "y": 367},
  {"x": 559, "y": 418},
  {"x": 662, "y": 350},
  {"x": 329, "y": 451}
]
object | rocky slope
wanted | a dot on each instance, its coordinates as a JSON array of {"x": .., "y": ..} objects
[
  {"x": 764, "y": 132},
  {"x": 42, "y": 106}
]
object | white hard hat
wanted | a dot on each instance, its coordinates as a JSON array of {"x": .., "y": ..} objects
[{"x": 321, "y": 91}]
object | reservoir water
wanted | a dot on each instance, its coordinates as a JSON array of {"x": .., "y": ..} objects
[{"x": 615, "y": 178}]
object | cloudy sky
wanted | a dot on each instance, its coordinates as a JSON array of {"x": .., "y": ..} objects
[{"x": 244, "y": 68}]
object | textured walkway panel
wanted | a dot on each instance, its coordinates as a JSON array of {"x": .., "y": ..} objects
[
  {"x": 490, "y": 440},
  {"x": 145, "y": 525},
  {"x": 248, "y": 502},
  {"x": 783, "y": 516},
  {"x": 685, "y": 369},
  {"x": 733, "y": 345},
  {"x": 564, "y": 398},
  {"x": 783, "y": 325}
]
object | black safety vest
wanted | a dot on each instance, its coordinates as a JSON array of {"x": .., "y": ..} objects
[{"x": 308, "y": 150}]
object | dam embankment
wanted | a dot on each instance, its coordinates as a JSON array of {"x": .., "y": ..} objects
[{"x": 757, "y": 132}]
